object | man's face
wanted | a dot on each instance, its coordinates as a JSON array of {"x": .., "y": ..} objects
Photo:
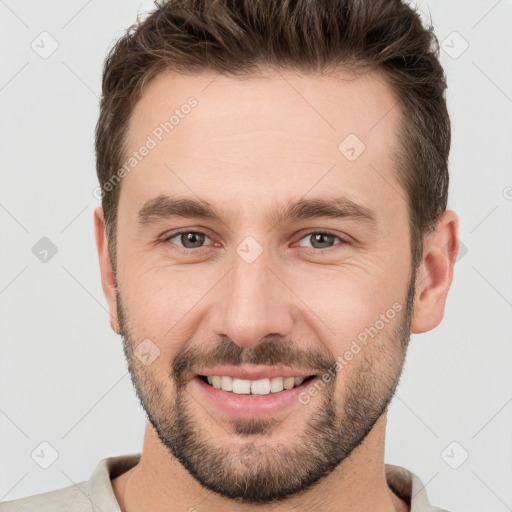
[{"x": 256, "y": 295}]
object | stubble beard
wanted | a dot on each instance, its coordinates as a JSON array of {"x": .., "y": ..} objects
[{"x": 260, "y": 470}]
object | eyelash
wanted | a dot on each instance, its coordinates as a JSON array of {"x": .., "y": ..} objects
[{"x": 308, "y": 249}]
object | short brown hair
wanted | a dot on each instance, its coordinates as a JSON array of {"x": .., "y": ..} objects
[{"x": 240, "y": 37}]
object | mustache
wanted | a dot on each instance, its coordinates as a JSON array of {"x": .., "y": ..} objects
[{"x": 273, "y": 352}]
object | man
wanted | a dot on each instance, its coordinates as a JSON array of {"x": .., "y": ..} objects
[{"x": 273, "y": 228}]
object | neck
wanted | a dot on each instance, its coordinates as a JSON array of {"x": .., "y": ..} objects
[{"x": 358, "y": 484}]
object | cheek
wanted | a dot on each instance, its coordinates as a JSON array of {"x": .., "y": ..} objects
[
  {"x": 348, "y": 303},
  {"x": 163, "y": 304}
]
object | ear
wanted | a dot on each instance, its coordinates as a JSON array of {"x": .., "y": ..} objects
[
  {"x": 106, "y": 270},
  {"x": 435, "y": 273}
]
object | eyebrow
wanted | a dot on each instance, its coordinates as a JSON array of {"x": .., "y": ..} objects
[{"x": 164, "y": 206}]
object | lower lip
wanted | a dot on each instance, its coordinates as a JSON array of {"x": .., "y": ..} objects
[{"x": 246, "y": 407}]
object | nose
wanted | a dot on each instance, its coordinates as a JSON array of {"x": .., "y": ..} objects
[{"x": 254, "y": 303}]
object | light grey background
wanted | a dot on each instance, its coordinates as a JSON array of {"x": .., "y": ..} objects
[{"x": 63, "y": 376}]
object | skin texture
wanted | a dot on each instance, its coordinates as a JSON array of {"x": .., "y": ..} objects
[{"x": 248, "y": 148}]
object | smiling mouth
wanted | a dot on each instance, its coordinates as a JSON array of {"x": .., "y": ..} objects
[{"x": 253, "y": 387}]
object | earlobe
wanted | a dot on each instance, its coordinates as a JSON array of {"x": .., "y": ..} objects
[
  {"x": 106, "y": 270},
  {"x": 435, "y": 273}
]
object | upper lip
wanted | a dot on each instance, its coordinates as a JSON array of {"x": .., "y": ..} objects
[{"x": 254, "y": 372}]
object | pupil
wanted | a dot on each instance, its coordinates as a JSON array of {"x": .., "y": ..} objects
[
  {"x": 320, "y": 236},
  {"x": 189, "y": 237}
]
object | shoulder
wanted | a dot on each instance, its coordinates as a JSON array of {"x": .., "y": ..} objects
[
  {"x": 74, "y": 498},
  {"x": 410, "y": 488},
  {"x": 95, "y": 495}
]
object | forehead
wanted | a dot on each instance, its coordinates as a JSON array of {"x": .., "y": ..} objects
[{"x": 273, "y": 135}]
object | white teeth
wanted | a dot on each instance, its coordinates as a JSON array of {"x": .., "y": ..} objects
[
  {"x": 226, "y": 383},
  {"x": 255, "y": 387},
  {"x": 276, "y": 384},
  {"x": 241, "y": 387},
  {"x": 289, "y": 382},
  {"x": 260, "y": 387}
]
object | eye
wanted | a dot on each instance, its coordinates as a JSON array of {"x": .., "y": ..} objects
[
  {"x": 196, "y": 239},
  {"x": 188, "y": 239},
  {"x": 322, "y": 239}
]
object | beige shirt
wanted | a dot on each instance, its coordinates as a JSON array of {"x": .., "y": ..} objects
[{"x": 97, "y": 495}]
